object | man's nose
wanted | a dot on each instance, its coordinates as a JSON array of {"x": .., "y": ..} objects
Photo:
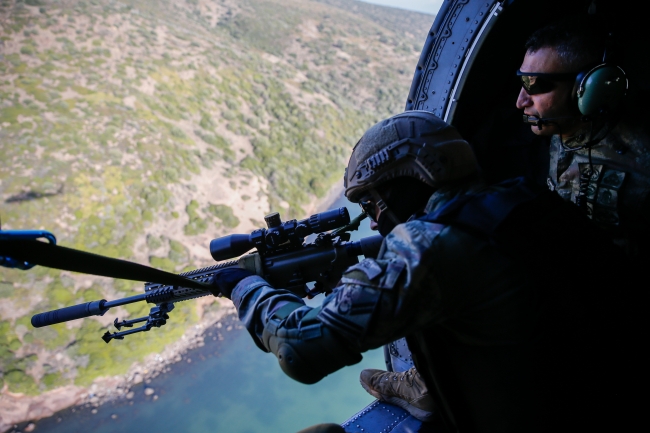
[{"x": 524, "y": 100}]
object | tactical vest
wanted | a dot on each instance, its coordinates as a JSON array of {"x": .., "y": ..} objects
[{"x": 564, "y": 376}]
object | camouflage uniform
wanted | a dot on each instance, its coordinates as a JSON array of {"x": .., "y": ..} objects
[
  {"x": 503, "y": 337},
  {"x": 378, "y": 300},
  {"x": 615, "y": 194},
  {"x": 428, "y": 277}
]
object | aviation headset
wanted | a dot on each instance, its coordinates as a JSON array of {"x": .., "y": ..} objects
[{"x": 601, "y": 88}]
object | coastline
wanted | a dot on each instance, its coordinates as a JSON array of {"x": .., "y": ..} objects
[
  {"x": 330, "y": 198},
  {"x": 17, "y": 409}
]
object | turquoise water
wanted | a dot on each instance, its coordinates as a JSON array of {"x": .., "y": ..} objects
[{"x": 230, "y": 386}]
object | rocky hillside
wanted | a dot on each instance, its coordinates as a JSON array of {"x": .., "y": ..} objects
[{"x": 141, "y": 129}]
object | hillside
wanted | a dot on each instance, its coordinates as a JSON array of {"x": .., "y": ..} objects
[{"x": 142, "y": 129}]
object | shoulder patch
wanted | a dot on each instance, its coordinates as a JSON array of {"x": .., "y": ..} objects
[
  {"x": 392, "y": 274},
  {"x": 369, "y": 267}
]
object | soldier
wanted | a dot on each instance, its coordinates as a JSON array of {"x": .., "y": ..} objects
[
  {"x": 463, "y": 274},
  {"x": 600, "y": 158}
]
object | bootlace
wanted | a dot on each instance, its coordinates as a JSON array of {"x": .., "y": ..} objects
[{"x": 402, "y": 376}]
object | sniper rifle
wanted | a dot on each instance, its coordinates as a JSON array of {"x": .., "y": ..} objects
[{"x": 282, "y": 258}]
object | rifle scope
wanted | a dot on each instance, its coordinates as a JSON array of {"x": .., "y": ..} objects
[{"x": 279, "y": 234}]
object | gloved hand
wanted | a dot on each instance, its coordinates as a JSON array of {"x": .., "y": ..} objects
[{"x": 225, "y": 280}]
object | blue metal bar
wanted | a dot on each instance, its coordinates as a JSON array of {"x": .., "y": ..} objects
[{"x": 7, "y": 235}]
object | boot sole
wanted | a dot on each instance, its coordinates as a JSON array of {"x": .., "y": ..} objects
[{"x": 416, "y": 413}]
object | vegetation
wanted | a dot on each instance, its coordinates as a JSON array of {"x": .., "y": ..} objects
[{"x": 139, "y": 129}]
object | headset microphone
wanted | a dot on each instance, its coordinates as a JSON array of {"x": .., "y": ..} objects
[{"x": 539, "y": 121}]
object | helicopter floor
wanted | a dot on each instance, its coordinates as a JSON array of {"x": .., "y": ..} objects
[{"x": 386, "y": 418}]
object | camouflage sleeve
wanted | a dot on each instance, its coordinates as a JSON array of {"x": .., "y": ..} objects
[
  {"x": 257, "y": 302},
  {"x": 426, "y": 274},
  {"x": 376, "y": 302},
  {"x": 281, "y": 323},
  {"x": 382, "y": 300}
]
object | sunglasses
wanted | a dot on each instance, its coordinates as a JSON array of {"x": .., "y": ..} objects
[
  {"x": 370, "y": 209},
  {"x": 535, "y": 83}
]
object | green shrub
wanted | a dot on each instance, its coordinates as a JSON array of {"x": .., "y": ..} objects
[
  {"x": 60, "y": 296},
  {"x": 178, "y": 253},
  {"x": 232, "y": 104},
  {"x": 225, "y": 214},
  {"x": 91, "y": 294},
  {"x": 53, "y": 380},
  {"x": 153, "y": 242},
  {"x": 20, "y": 382},
  {"x": 163, "y": 263},
  {"x": 6, "y": 289},
  {"x": 196, "y": 225},
  {"x": 213, "y": 139},
  {"x": 206, "y": 122},
  {"x": 177, "y": 132}
]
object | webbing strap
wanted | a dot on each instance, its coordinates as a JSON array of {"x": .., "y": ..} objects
[
  {"x": 485, "y": 211},
  {"x": 312, "y": 316},
  {"x": 69, "y": 259},
  {"x": 284, "y": 311}
]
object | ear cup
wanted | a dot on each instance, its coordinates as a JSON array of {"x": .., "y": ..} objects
[{"x": 600, "y": 89}]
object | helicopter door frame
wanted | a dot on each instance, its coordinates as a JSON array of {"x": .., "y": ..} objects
[
  {"x": 448, "y": 53},
  {"x": 470, "y": 55}
]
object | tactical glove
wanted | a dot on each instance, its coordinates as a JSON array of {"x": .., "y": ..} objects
[{"x": 224, "y": 281}]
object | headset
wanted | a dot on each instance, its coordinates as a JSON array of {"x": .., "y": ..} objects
[{"x": 600, "y": 89}]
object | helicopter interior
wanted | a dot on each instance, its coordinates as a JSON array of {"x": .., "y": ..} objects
[
  {"x": 466, "y": 75},
  {"x": 472, "y": 84}
]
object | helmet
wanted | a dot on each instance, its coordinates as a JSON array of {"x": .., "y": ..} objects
[{"x": 413, "y": 144}]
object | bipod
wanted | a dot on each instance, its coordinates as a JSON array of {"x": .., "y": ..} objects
[{"x": 157, "y": 317}]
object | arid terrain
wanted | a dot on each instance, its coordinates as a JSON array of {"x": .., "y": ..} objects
[{"x": 143, "y": 129}]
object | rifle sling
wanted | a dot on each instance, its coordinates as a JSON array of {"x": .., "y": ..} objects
[{"x": 69, "y": 259}]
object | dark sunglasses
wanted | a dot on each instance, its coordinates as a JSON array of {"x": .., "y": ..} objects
[
  {"x": 535, "y": 83},
  {"x": 369, "y": 208}
]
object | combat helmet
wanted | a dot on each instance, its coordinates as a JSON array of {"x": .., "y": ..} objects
[{"x": 414, "y": 144}]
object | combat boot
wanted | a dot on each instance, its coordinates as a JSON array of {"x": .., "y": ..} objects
[{"x": 405, "y": 389}]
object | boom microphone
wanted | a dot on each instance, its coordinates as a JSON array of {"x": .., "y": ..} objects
[{"x": 540, "y": 121}]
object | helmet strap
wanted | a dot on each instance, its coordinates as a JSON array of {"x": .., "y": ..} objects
[{"x": 383, "y": 207}]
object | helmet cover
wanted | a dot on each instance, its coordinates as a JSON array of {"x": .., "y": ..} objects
[{"x": 414, "y": 144}]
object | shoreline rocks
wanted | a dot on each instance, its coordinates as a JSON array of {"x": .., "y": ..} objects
[{"x": 19, "y": 408}]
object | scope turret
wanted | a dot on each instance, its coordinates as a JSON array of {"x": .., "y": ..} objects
[
  {"x": 273, "y": 220},
  {"x": 278, "y": 234}
]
